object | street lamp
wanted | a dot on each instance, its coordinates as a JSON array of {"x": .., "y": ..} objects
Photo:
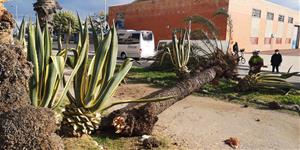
[{"x": 105, "y": 9}]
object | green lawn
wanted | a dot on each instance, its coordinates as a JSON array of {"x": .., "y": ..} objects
[
  {"x": 225, "y": 89},
  {"x": 158, "y": 78}
]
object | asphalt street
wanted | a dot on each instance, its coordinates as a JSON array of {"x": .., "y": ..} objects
[{"x": 243, "y": 69}]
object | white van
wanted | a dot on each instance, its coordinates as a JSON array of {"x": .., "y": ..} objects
[{"x": 136, "y": 44}]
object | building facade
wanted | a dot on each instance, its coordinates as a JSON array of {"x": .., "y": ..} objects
[
  {"x": 257, "y": 24},
  {"x": 263, "y": 25},
  {"x": 162, "y": 16}
]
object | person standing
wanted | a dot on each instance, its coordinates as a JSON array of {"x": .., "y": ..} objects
[
  {"x": 276, "y": 60},
  {"x": 235, "y": 48},
  {"x": 255, "y": 63}
]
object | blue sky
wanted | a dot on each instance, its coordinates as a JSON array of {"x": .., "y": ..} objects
[{"x": 87, "y": 7}]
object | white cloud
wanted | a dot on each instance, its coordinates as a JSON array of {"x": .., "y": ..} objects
[{"x": 294, "y": 4}]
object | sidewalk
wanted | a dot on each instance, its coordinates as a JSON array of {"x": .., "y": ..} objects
[
  {"x": 286, "y": 52},
  {"x": 288, "y": 61}
]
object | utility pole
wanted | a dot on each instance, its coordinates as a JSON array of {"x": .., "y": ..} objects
[
  {"x": 105, "y": 9},
  {"x": 17, "y": 16}
]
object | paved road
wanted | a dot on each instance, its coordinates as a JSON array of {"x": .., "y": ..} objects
[{"x": 288, "y": 61}]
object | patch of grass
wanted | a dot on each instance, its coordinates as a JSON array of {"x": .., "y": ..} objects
[
  {"x": 120, "y": 143},
  {"x": 159, "y": 78},
  {"x": 82, "y": 143},
  {"x": 115, "y": 143},
  {"x": 227, "y": 89},
  {"x": 291, "y": 98}
]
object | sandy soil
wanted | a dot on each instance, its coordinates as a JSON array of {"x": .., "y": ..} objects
[{"x": 204, "y": 123}]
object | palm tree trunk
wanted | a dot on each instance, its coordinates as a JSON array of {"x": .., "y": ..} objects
[
  {"x": 45, "y": 10},
  {"x": 6, "y": 24},
  {"x": 140, "y": 119}
]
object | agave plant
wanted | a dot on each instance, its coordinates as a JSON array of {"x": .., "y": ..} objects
[
  {"x": 22, "y": 32},
  {"x": 48, "y": 69},
  {"x": 94, "y": 83},
  {"x": 265, "y": 81},
  {"x": 180, "y": 52},
  {"x": 289, "y": 74}
]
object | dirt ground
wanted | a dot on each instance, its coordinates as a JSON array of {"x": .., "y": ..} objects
[{"x": 204, "y": 123}]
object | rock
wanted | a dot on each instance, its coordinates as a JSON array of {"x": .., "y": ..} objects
[
  {"x": 246, "y": 106},
  {"x": 233, "y": 142},
  {"x": 144, "y": 137},
  {"x": 274, "y": 105},
  {"x": 151, "y": 142}
]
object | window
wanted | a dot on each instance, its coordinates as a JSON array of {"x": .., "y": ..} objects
[
  {"x": 270, "y": 16},
  {"x": 268, "y": 40},
  {"x": 147, "y": 36},
  {"x": 291, "y": 20},
  {"x": 132, "y": 39},
  {"x": 135, "y": 36},
  {"x": 256, "y": 13},
  {"x": 278, "y": 40},
  {"x": 281, "y": 18},
  {"x": 288, "y": 41},
  {"x": 254, "y": 40}
]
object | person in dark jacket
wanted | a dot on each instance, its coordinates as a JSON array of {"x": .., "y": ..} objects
[
  {"x": 235, "y": 48},
  {"x": 276, "y": 60}
]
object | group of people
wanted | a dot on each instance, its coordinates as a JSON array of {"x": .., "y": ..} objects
[{"x": 256, "y": 62}]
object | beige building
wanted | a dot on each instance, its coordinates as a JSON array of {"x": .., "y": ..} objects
[{"x": 263, "y": 25}]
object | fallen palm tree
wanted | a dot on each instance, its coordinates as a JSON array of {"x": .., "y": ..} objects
[{"x": 140, "y": 119}]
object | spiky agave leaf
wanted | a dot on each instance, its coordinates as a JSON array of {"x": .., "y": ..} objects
[
  {"x": 205, "y": 22},
  {"x": 180, "y": 51},
  {"x": 48, "y": 69},
  {"x": 22, "y": 32},
  {"x": 289, "y": 74},
  {"x": 264, "y": 81}
]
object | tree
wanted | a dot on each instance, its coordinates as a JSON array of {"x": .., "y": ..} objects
[
  {"x": 45, "y": 9},
  {"x": 65, "y": 23},
  {"x": 215, "y": 63},
  {"x": 140, "y": 119},
  {"x": 100, "y": 23},
  {"x": 63, "y": 19}
]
